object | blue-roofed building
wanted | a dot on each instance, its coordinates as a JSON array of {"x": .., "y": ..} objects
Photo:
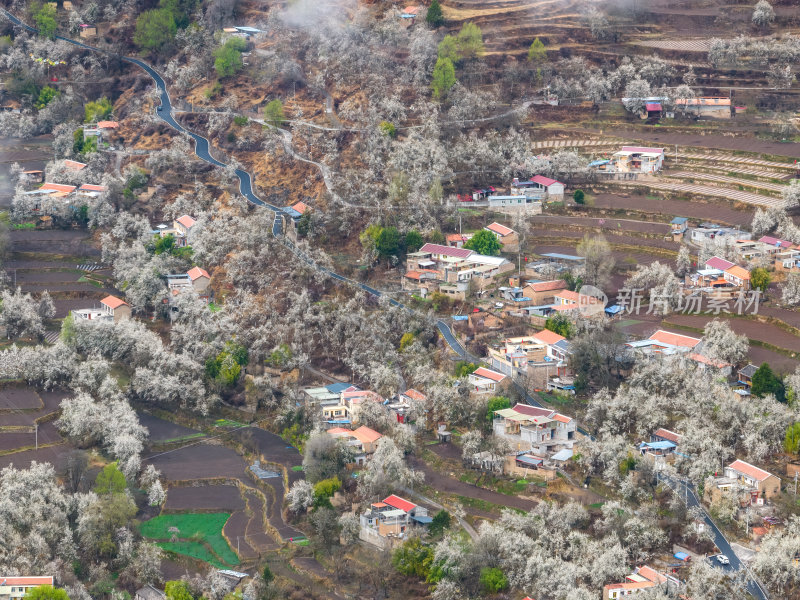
[
  {"x": 558, "y": 257},
  {"x": 679, "y": 225},
  {"x": 338, "y": 388},
  {"x": 662, "y": 448}
]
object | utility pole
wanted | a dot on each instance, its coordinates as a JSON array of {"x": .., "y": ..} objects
[
  {"x": 795, "y": 484},
  {"x": 36, "y": 431}
]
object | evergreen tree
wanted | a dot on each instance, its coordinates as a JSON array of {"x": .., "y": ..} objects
[{"x": 435, "y": 18}]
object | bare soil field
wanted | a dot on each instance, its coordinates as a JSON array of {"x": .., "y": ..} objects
[
  {"x": 200, "y": 461},
  {"x": 22, "y": 460},
  {"x": 612, "y": 237},
  {"x": 235, "y": 530},
  {"x": 207, "y": 497},
  {"x": 161, "y": 430},
  {"x": 721, "y": 142},
  {"x": 48, "y": 434},
  {"x": 450, "y": 485},
  {"x": 51, "y": 400},
  {"x": 762, "y": 332},
  {"x": 63, "y": 307},
  {"x": 61, "y": 242},
  {"x": 273, "y": 448},
  {"x": 780, "y": 363},
  {"x": 603, "y": 223},
  {"x": 717, "y": 212},
  {"x": 15, "y": 398}
]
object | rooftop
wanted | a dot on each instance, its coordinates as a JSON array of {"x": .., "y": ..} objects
[
  {"x": 488, "y": 374},
  {"x": 196, "y": 272},
  {"x": 749, "y": 470},
  {"x": 674, "y": 339},
  {"x": 499, "y": 229},
  {"x": 400, "y": 503},
  {"x": 186, "y": 221},
  {"x": 445, "y": 250},
  {"x": 113, "y": 302}
]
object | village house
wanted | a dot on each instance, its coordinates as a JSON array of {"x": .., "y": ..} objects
[
  {"x": 738, "y": 277},
  {"x": 102, "y": 127},
  {"x": 775, "y": 245},
  {"x": 486, "y": 381},
  {"x": 710, "y": 107},
  {"x": 508, "y": 238},
  {"x": 643, "y": 578},
  {"x": 293, "y": 214},
  {"x": 456, "y": 240},
  {"x": 329, "y": 395},
  {"x": 664, "y": 343},
  {"x": 663, "y": 444},
  {"x": 33, "y": 176},
  {"x": 636, "y": 159},
  {"x": 587, "y": 306},
  {"x": 386, "y": 523},
  {"x": 450, "y": 270},
  {"x": 345, "y": 412},
  {"x": 745, "y": 375},
  {"x": 14, "y": 587},
  {"x": 750, "y": 484},
  {"x": 747, "y": 250},
  {"x": 485, "y": 320},
  {"x": 74, "y": 165},
  {"x": 540, "y": 188},
  {"x": 711, "y": 231},
  {"x": 787, "y": 261},
  {"x": 363, "y": 440},
  {"x": 115, "y": 307},
  {"x": 183, "y": 226},
  {"x": 149, "y": 592},
  {"x": 678, "y": 225},
  {"x": 532, "y": 429},
  {"x": 543, "y": 292},
  {"x": 515, "y": 204}
]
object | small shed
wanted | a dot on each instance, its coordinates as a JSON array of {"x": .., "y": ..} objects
[{"x": 444, "y": 436}]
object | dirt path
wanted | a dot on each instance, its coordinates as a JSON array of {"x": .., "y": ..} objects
[
  {"x": 694, "y": 209},
  {"x": 449, "y": 485}
]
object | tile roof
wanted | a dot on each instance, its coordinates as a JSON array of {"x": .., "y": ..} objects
[
  {"x": 489, "y": 374},
  {"x": 90, "y": 187},
  {"x": 773, "y": 241},
  {"x": 652, "y": 106},
  {"x": 548, "y": 286},
  {"x": 196, "y": 272},
  {"x": 413, "y": 274},
  {"x": 415, "y": 395},
  {"x": 739, "y": 272},
  {"x": 630, "y": 585},
  {"x": 532, "y": 411},
  {"x": 499, "y": 229},
  {"x": 365, "y": 435},
  {"x": 715, "y": 262},
  {"x": 542, "y": 180},
  {"x": 35, "y": 580},
  {"x": 749, "y": 470},
  {"x": 74, "y": 165},
  {"x": 749, "y": 370},
  {"x": 651, "y": 574},
  {"x": 57, "y": 187},
  {"x": 107, "y": 124},
  {"x": 113, "y": 302},
  {"x": 301, "y": 207},
  {"x": 668, "y": 435},
  {"x": 339, "y": 431},
  {"x": 674, "y": 339},
  {"x": 455, "y": 237},
  {"x": 707, "y": 361},
  {"x": 576, "y": 297},
  {"x": 446, "y": 250},
  {"x": 548, "y": 337},
  {"x": 186, "y": 221},
  {"x": 400, "y": 503}
]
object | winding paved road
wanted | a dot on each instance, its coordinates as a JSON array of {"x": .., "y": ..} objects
[{"x": 687, "y": 494}]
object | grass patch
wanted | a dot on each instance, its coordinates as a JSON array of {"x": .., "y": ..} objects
[
  {"x": 228, "y": 423},
  {"x": 23, "y": 226},
  {"x": 194, "y": 550},
  {"x": 93, "y": 282},
  {"x": 200, "y": 527},
  {"x": 597, "y": 505},
  {"x": 183, "y": 438},
  {"x": 214, "y": 307},
  {"x": 297, "y": 468}
]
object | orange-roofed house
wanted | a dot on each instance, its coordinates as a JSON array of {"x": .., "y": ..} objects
[
  {"x": 508, "y": 238},
  {"x": 367, "y": 438},
  {"x": 385, "y": 523},
  {"x": 58, "y": 187},
  {"x": 107, "y": 125},
  {"x": 412, "y": 394},
  {"x": 567, "y": 301},
  {"x": 12, "y": 587},
  {"x": 116, "y": 307},
  {"x": 543, "y": 292},
  {"x": 737, "y": 276},
  {"x": 541, "y": 431},
  {"x": 74, "y": 165},
  {"x": 301, "y": 207},
  {"x": 183, "y": 226},
  {"x": 764, "y": 484},
  {"x": 674, "y": 339},
  {"x": 486, "y": 381},
  {"x": 200, "y": 279},
  {"x": 642, "y": 578},
  {"x": 456, "y": 240}
]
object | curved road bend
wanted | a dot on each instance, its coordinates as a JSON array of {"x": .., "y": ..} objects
[{"x": 687, "y": 494}]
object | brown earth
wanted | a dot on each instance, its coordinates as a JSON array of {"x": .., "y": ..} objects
[
  {"x": 695, "y": 209},
  {"x": 48, "y": 434},
  {"x": 161, "y": 430},
  {"x": 206, "y": 497},
  {"x": 22, "y": 460},
  {"x": 450, "y": 485},
  {"x": 718, "y": 141},
  {"x": 602, "y": 223},
  {"x": 762, "y": 332},
  {"x": 200, "y": 461},
  {"x": 15, "y": 398},
  {"x": 235, "y": 531}
]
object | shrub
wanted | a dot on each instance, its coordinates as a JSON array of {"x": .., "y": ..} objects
[
  {"x": 388, "y": 129},
  {"x": 579, "y": 196},
  {"x": 240, "y": 120},
  {"x": 493, "y": 580}
]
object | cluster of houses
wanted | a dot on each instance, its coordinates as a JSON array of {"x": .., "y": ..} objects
[
  {"x": 719, "y": 274},
  {"x": 388, "y": 522},
  {"x": 540, "y": 358},
  {"x": 450, "y": 269},
  {"x": 71, "y": 195},
  {"x": 642, "y": 578},
  {"x": 525, "y": 195}
]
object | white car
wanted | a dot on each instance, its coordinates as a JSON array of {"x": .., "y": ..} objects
[
  {"x": 499, "y": 305},
  {"x": 723, "y": 560}
]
